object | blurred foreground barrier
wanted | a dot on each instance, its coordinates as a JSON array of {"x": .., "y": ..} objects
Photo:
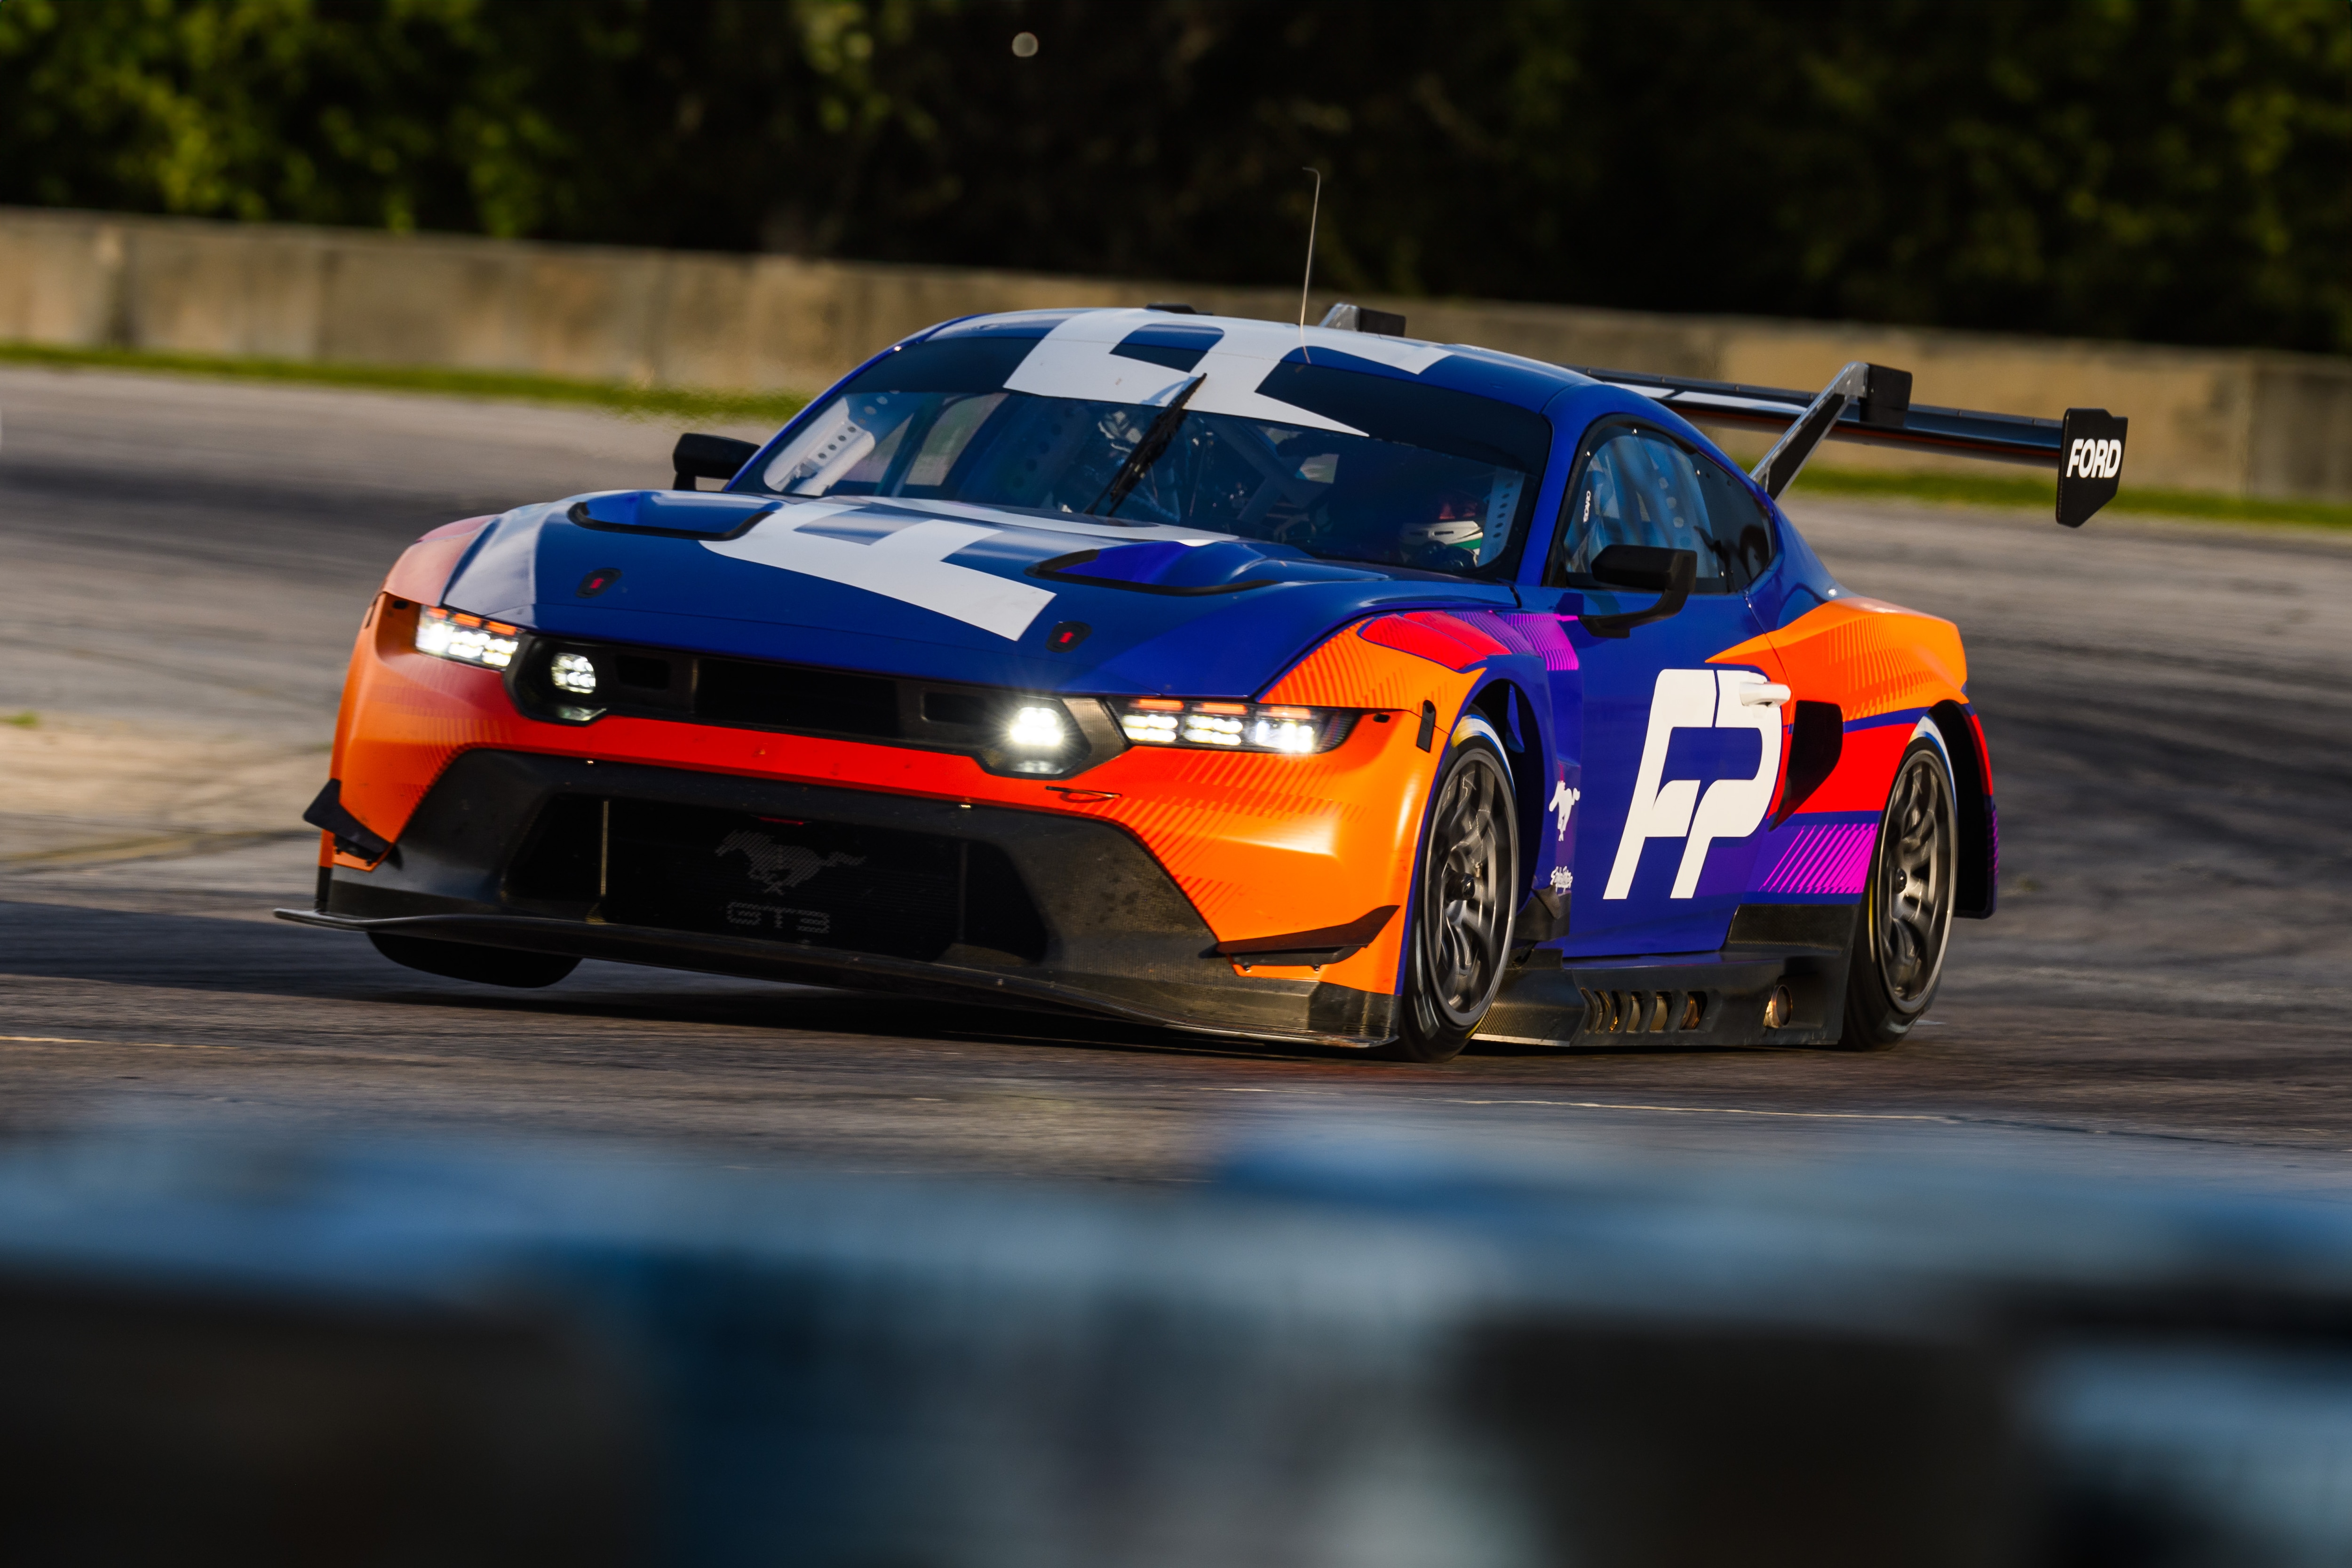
[
  {"x": 219, "y": 1351},
  {"x": 2239, "y": 422}
]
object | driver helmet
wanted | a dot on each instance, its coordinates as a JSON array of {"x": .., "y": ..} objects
[{"x": 1457, "y": 523}]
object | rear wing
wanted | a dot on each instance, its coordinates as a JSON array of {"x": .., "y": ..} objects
[{"x": 1872, "y": 403}]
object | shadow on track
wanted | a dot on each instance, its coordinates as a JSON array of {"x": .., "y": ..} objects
[{"x": 173, "y": 952}]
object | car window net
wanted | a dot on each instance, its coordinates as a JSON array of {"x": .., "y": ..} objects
[
  {"x": 1636, "y": 491},
  {"x": 1641, "y": 489}
]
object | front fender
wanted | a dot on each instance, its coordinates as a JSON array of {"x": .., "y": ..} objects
[{"x": 1429, "y": 668}]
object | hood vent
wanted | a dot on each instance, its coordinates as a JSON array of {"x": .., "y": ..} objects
[{"x": 670, "y": 514}]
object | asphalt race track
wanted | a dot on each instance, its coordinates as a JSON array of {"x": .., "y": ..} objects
[{"x": 2164, "y": 991}]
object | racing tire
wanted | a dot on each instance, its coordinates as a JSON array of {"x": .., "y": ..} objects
[
  {"x": 471, "y": 961},
  {"x": 1460, "y": 936},
  {"x": 1904, "y": 921}
]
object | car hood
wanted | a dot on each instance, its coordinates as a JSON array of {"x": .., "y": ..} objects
[{"x": 936, "y": 590}]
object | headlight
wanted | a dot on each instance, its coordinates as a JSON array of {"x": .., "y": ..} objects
[
  {"x": 469, "y": 639},
  {"x": 1036, "y": 737},
  {"x": 573, "y": 673},
  {"x": 1234, "y": 727},
  {"x": 1035, "y": 728}
]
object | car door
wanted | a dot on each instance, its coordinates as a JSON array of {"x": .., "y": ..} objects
[{"x": 1678, "y": 758}]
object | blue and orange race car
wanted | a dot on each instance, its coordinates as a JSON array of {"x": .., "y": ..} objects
[{"x": 1302, "y": 684}]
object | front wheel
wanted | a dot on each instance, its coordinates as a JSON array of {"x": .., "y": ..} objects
[
  {"x": 1461, "y": 932},
  {"x": 1907, "y": 910}
]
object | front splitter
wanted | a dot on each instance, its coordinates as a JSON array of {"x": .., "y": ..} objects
[{"x": 752, "y": 958}]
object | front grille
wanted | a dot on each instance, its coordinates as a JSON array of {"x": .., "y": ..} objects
[
  {"x": 820, "y": 884},
  {"x": 646, "y": 675},
  {"x": 803, "y": 699},
  {"x": 767, "y": 696}
]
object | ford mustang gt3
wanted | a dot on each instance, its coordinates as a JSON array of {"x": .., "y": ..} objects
[{"x": 1309, "y": 683}]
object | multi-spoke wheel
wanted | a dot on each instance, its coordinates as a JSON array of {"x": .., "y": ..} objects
[
  {"x": 1461, "y": 933},
  {"x": 1907, "y": 910}
]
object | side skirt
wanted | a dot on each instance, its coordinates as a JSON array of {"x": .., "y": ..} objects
[{"x": 1783, "y": 961}]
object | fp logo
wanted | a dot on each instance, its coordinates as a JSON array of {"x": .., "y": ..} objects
[
  {"x": 2095, "y": 459},
  {"x": 1674, "y": 809}
]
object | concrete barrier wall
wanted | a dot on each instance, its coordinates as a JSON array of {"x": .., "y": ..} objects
[{"x": 2239, "y": 422}]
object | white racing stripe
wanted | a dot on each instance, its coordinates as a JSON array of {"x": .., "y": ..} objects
[
  {"x": 1074, "y": 361},
  {"x": 908, "y": 565},
  {"x": 1078, "y": 523}
]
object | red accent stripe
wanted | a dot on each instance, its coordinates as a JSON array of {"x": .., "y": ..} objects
[{"x": 1432, "y": 635}]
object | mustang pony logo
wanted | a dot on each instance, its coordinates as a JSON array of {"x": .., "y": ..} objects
[
  {"x": 1563, "y": 801},
  {"x": 778, "y": 867}
]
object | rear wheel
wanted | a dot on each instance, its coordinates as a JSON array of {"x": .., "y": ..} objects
[
  {"x": 1461, "y": 932},
  {"x": 470, "y": 961},
  {"x": 1906, "y": 909}
]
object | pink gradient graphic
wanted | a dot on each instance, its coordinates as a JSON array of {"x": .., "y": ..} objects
[
  {"x": 1544, "y": 635},
  {"x": 1831, "y": 858}
]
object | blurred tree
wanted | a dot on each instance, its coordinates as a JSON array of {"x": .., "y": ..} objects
[{"x": 2170, "y": 170}]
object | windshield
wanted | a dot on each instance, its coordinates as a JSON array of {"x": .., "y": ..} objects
[{"x": 1442, "y": 480}]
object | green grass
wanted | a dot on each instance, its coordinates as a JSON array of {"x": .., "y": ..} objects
[
  {"x": 643, "y": 403},
  {"x": 23, "y": 720},
  {"x": 2040, "y": 493}
]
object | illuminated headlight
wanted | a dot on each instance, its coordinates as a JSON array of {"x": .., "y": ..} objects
[
  {"x": 1038, "y": 737},
  {"x": 469, "y": 639},
  {"x": 1285, "y": 729},
  {"x": 1035, "y": 728},
  {"x": 1220, "y": 724},
  {"x": 573, "y": 673},
  {"x": 1148, "y": 728},
  {"x": 1233, "y": 727}
]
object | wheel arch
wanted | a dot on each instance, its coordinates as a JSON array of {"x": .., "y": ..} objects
[
  {"x": 1500, "y": 713},
  {"x": 1977, "y": 888},
  {"x": 1502, "y": 703}
]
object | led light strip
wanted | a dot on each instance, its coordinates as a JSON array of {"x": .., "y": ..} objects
[
  {"x": 468, "y": 639},
  {"x": 1229, "y": 726}
]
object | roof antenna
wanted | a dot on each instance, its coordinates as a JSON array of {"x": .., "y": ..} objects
[{"x": 1312, "y": 214}]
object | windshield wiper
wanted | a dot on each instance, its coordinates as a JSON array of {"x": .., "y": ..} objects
[{"x": 1148, "y": 451}]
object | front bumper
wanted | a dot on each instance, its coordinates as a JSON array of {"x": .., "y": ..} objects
[{"x": 777, "y": 880}]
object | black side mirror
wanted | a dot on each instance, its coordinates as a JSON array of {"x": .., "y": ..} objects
[
  {"x": 719, "y": 458},
  {"x": 1671, "y": 574}
]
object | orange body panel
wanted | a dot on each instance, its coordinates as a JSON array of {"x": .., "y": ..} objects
[
  {"x": 1262, "y": 844},
  {"x": 1346, "y": 671},
  {"x": 1867, "y": 656},
  {"x": 1871, "y": 658}
]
